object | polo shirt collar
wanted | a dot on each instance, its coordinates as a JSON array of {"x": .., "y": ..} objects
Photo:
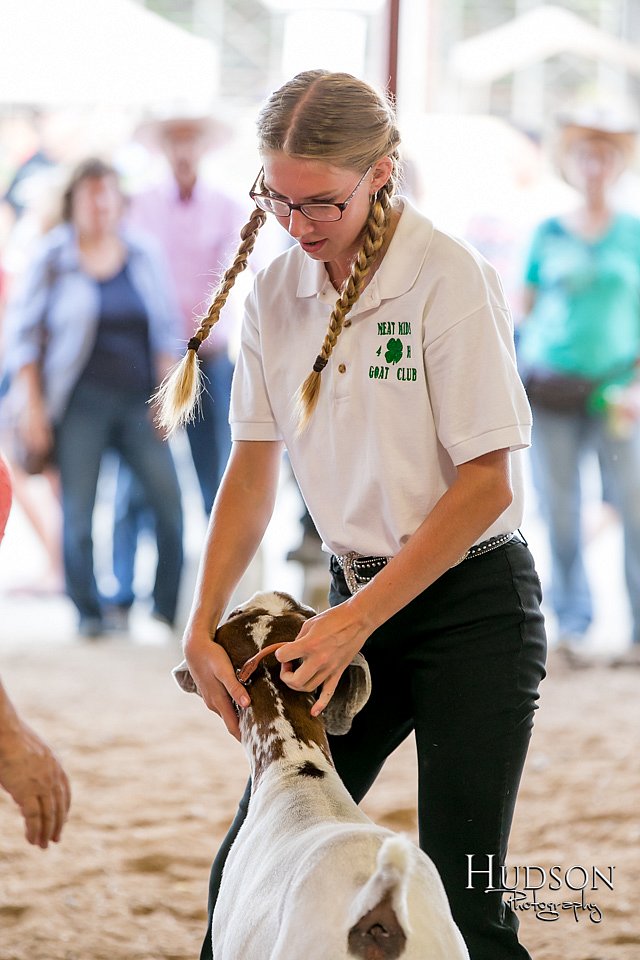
[{"x": 396, "y": 274}]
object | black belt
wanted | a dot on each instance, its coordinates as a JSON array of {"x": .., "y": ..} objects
[{"x": 359, "y": 570}]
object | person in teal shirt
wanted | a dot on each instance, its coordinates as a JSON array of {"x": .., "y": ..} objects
[
  {"x": 578, "y": 281},
  {"x": 583, "y": 319}
]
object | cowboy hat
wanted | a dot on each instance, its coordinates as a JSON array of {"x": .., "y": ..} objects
[
  {"x": 183, "y": 119},
  {"x": 617, "y": 127}
]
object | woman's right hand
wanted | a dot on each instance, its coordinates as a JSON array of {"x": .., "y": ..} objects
[
  {"x": 35, "y": 428},
  {"x": 215, "y": 677}
]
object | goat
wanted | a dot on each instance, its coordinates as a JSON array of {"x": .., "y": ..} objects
[{"x": 309, "y": 875}]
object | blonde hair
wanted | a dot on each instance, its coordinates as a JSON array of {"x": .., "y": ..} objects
[
  {"x": 178, "y": 396},
  {"x": 335, "y": 118}
]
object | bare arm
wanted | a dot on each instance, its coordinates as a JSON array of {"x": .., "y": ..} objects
[
  {"x": 239, "y": 518},
  {"x": 32, "y": 775},
  {"x": 328, "y": 642}
]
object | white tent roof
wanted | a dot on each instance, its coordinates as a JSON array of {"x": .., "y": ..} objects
[
  {"x": 99, "y": 52},
  {"x": 536, "y": 35}
]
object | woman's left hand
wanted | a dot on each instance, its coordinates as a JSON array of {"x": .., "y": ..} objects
[{"x": 326, "y": 645}]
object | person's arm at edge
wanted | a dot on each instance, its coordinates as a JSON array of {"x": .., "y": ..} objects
[{"x": 32, "y": 775}]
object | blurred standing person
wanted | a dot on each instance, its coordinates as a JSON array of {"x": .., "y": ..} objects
[
  {"x": 196, "y": 225},
  {"x": 31, "y": 174},
  {"x": 111, "y": 334},
  {"x": 30, "y": 204},
  {"x": 28, "y": 209},
  {"x": 581, "y": 335}
]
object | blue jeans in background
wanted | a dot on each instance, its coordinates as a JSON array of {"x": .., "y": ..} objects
[
  {"x": 209, "y": 435},
  {"x": 210, "y": 441},
  {"x": 560, "y": 443},
  {"x": 97, "y": 420},
  {"x": 131, "y": 517}
]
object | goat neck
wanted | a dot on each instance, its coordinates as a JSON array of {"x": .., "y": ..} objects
[{"x": 277, "y": 727}]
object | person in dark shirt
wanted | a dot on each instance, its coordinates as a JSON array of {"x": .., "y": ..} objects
[{"x": 111, "y": 334}]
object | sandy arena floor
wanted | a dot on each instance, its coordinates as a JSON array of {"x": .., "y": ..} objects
[{"x": 155, "y": 781}]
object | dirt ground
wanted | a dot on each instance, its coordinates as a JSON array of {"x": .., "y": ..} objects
[{"x": 155, "y": 782}]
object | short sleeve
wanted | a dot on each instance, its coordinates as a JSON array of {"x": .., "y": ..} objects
[
  {"x": 478, "y": 400},
  {"x": 251, "y": 415}
]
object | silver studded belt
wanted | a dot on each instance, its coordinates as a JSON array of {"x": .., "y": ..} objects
[{"x": 359, "y": 570}]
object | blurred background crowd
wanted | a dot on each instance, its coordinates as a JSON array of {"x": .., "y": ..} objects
[{"x": 126, "y": 157}]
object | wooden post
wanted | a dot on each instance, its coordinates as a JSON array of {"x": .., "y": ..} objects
[{"x": 392, "y": 50}]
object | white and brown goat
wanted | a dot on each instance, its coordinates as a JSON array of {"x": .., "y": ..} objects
[{"x": 310, "y": 876}]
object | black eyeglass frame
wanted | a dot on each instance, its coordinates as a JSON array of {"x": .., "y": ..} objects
[{"x": 340, "y": 207}]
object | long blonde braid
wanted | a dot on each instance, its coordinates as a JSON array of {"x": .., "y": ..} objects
[
  {"x": 178, "y": 395},
  {"x": 375, "y": 231}
]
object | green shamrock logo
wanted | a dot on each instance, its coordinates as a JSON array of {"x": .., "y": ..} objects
[{"x": 394, "y": 351}]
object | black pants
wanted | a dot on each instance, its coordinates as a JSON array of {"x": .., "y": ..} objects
[{"x": 460, "y": 665}]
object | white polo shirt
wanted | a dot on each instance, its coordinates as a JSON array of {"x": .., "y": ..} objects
[{"x": 423, "y": 379}]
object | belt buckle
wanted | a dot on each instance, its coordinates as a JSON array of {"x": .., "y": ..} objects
[
  {"x": 347, "y": 563},
  {"x": 461, "y": 559}
]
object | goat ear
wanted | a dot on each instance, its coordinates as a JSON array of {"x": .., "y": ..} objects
[
  {"x": 182, "y": 675},
  {"x": 352, "y": 692}
]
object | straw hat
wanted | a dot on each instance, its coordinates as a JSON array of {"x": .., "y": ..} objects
[
  {"x": 181, "y": 120},
  {"x": 619, "y": 127}
]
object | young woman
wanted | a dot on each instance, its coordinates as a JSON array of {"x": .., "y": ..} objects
[{"x": 402, "y": 440}]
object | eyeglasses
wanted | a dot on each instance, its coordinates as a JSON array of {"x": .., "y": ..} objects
[{"x": 326, "y": 212}]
